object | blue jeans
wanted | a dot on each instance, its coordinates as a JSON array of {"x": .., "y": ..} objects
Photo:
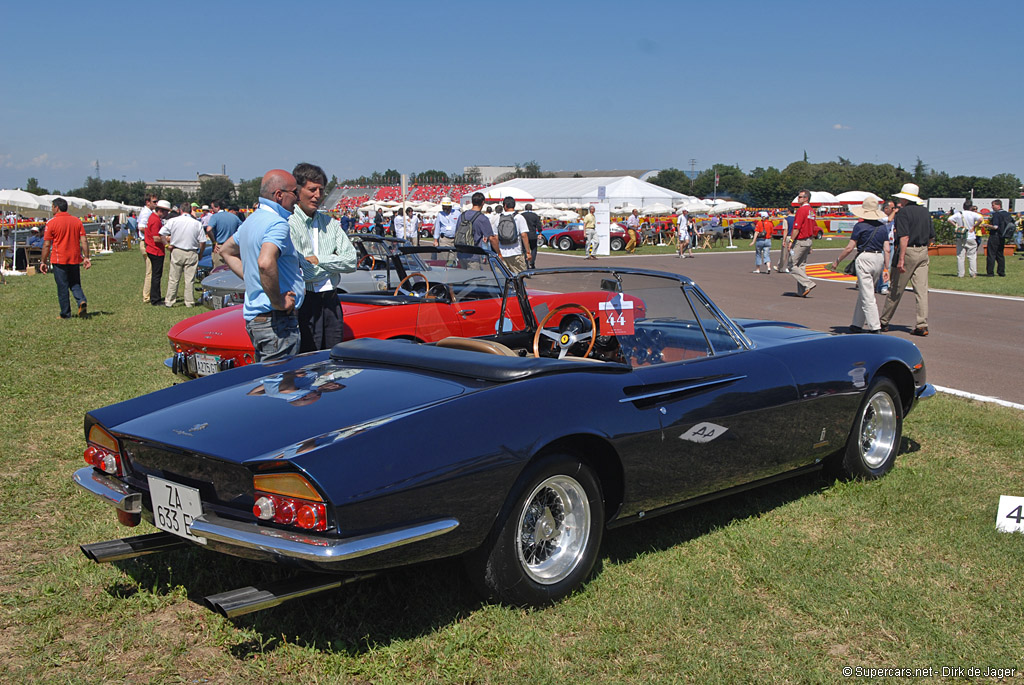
[
  {"x": 763, "y": 253},
  {"x": 68, "y": 277},
  {"x": 275, "y": 337}
]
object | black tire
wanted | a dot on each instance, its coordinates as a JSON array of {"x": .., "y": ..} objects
[
  {"x": 875, "y": 437},
  {"x": 617, "y": 244},
  {"x": 559, "y": 501},
  {"x": 540, "y": 240},
  {"x": 818, "y": 235},
  {"x": 565, "y": 243}
]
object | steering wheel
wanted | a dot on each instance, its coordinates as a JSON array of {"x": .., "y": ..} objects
[
  {"x": 411, "y": 292},
  {"x": 564, "y": 340},
  {"x": 367, "y": 257},
  {"x": 441, "y": 291}
]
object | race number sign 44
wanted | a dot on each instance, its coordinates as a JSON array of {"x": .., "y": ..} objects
[{"x": 616, "y": 316}]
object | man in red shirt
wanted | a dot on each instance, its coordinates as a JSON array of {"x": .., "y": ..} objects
[
  {"x": 802, "y": 236},
  {"x": 65, "y": 248},
  {"x": 155, "y": 249}
]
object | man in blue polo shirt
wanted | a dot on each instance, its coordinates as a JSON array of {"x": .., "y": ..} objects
[
  {"x": 262, "y": 254},
  {"x": 221, "y": 225}
]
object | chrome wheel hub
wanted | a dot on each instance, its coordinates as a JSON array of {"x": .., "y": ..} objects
[{"x": 554, "y": 528}]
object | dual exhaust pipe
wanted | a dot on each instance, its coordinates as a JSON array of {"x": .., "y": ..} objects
[{"x": 232, "y": 603}]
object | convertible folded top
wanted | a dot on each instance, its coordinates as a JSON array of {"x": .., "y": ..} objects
[{"x": 464, "y": 363}]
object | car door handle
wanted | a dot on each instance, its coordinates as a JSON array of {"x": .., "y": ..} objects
[{"x": 466, "y": 312}]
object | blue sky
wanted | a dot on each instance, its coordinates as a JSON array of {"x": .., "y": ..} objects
[{"x": 166, "y": 90}]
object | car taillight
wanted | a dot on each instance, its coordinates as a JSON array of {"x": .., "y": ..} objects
[
  {"x": 290, "y": 500},
  {"x": 102, "y": 452}
]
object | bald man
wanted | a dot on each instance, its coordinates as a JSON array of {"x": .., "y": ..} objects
[{"x": 262, "y": 254}]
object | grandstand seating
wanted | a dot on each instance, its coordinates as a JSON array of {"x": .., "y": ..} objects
[{"x": 345, "y": 198}]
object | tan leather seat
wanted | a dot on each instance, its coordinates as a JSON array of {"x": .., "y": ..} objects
[{"x": 476, "y": 345}]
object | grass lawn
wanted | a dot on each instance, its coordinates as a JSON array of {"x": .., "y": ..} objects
[
  {"x": 942, "y": 274},
  {"x": 787, "y": 583}
]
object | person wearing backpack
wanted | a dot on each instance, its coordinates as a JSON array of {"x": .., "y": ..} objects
[
  {"x": 474, "y": 228},
  {"x": 513, "y": 240}
]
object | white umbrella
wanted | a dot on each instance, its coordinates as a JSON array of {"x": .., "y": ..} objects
[
  {"x": 725, "y": 207},
  {"x": 626, "y": 209},
  {"x": 819, "y": 197},
  {"x": 78, "y": 206},
  {"x": 561, "y": 205},
  {"x": 108, "y": 208},
  {"x": 694, "y": 207},
  {"x": 657, "y": 209},
  {"x": 856, "y": 197},
  {"x": 540, "y": 204},
  {"x": 23, "y": 203}
]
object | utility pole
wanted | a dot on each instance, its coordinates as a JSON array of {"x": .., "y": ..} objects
[
  {"x": 693, "y": 174},
  {"x": 98, "y": 170}
]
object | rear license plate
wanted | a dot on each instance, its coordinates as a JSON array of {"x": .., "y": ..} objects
[
  {"x": 207, "y": 364},
  {"x": 175, "y": 507}
]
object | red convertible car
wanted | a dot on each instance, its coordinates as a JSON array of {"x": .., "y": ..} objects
[
  {"x": 461, "y": 294},
  {"x": 572, "y": 237}
]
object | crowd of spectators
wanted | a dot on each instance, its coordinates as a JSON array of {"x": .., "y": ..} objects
[{"x": 417, "y": 193}]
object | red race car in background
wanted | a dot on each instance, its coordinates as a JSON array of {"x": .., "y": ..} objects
[{"x": 460, "y": 295}]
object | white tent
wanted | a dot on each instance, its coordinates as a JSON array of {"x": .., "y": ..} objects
[
  {"x": 856, "y": 197},
  {"x": 579, "y": 192}
]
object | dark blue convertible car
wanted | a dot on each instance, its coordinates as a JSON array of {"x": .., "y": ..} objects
[{"x": 633, "y": 395}]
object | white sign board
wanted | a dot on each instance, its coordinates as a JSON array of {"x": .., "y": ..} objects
[{"x": 1010, "y": 514}]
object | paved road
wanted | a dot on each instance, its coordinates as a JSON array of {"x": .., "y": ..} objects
[{"x": 975, "y": 341}]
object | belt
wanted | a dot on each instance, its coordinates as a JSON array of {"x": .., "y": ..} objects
[
  {"x": 269, "y": 316},
  {"x": 917, "y": 246},
  {"x": 872, "y": 251}
]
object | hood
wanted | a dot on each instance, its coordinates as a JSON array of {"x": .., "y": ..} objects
[
  {"x": 221, "y": 329},
  {"x": 770, "y": 333},
  {"x": 264, "y": 416}
]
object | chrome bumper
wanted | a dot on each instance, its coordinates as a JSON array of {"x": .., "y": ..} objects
[
  {"x": 925, "y": 391},
  {"x": 269, "y": 541}
]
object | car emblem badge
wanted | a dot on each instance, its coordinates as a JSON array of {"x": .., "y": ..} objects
[
  {"x": 189, "y": 431},
  {"x": 704, "y": 432},
  {"x": 565, "y": 338}
]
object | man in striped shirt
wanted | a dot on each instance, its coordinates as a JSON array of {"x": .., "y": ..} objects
[{"x": 325, "y": 253}]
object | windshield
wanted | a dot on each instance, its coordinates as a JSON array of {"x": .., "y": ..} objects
[
  {"x": 470, "y": 273},
  {"x": 640, "y": 318}
]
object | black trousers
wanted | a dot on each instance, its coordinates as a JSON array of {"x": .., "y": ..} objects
[
  {"x": 156, "y": 262},
  {"x": 995, "y": 258},
  {"x": 532, "y": 261},
  {"x": 320, "y": 325}
]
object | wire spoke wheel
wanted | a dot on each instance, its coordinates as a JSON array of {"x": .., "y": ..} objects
[{"x": 554, "y": 528}]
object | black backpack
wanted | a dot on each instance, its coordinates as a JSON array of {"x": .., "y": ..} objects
[
  {"x": 508, "y": 234},
  {"x": 464, "y": 229}
]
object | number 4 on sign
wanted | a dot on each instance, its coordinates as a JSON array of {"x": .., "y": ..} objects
[
  {"x": 1010, "y": 515},
  {"x": 616, "y": 316}
]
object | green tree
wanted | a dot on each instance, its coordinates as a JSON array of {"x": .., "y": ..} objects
[
  {"x": 673, "y": 179},
  {"x": 331, "y": 185},
  {"x": 249, "y": 192},
  {"x": 217, "y": 188},
  {"x": 767, "y": 188},
  {"x": 32, "y": 186},
  {"x": 433, "y": 176}
]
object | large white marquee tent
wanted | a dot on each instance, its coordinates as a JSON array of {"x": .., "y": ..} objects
[{"x": 619, "y": 190}]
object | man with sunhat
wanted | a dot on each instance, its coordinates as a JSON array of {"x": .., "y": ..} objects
[
  {"x": 913, "y": 232},
  {"x": 446, "y": 223}
]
